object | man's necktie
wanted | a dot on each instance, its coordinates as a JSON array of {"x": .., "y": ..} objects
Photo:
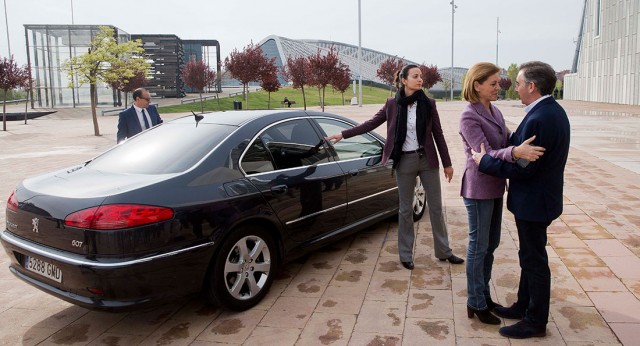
[{"x": 146, "y": 123}]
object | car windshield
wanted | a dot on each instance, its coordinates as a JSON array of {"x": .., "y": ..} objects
[{"x": 169, "y": 148}]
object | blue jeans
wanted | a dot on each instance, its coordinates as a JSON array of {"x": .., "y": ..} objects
[{"x": 485, "y": 219}]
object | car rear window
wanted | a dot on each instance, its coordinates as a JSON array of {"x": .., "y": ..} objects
[{"x": 169, "y": 148}]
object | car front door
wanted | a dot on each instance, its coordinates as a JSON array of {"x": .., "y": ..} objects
[
  {"x": 371, "y": 190},
  {"x": 291, "y": 166}
]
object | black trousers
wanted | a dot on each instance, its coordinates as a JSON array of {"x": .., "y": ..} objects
[{"x": 534, "y": 291}]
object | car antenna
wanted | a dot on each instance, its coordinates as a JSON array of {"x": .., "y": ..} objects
[{"x": 198, "y": 117}]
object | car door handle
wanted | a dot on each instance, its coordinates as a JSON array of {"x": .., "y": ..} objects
[
  {"x": 354, "y": 172},
  {"x": 279, "y": 189}
]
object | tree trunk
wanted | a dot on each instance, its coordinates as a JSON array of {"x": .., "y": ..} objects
[
  {"x": 269, "y": 100},
  {"x": 94, "y": 96},
  {"x": 323, "y": 94},
  {"x": 201, "y": 104},
  {"x": 26, "y": 105},
  {"x": 4, "y": 112},
  {"x": 304, "y": 98},
  {"x": 126, "y": 99},
  {"x": 245, "y": 89},
  {"x": 390, "y": 90}
]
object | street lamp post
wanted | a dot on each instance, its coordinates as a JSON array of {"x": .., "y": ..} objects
[
  {"x": 453, "y": 11},
  {"x": 497, "y": 33},
  {"x": 6, "y": 22},
  {"x": 359, "y": 55}
]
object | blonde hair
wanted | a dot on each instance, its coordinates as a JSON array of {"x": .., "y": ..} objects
[{"x": 477, "y": 73}]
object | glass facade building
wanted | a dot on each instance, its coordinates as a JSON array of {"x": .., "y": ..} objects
[{"x": 48, "y": 48}]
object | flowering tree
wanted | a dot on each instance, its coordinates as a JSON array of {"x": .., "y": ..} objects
[
  {"x": 11, "y": 77},
  {"x": 430, "y": 76},
  {"x": 505, "y": 84},
  {"x": 103, "y": 62},
  {"x": 342, "y": 79},
  {"x": 269, "y": 81},
  {"x": 387, "y": 71},
  {"x": 198, "y": 75},
  {"x": 298, "y": 73},
  {"x": 133, "y": 83},
  {"x": 323, "y": 69},
  {"x": 246, "y": 66}
]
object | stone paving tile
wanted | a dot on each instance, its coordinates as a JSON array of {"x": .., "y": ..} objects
[
  {"x": 375, "y": 339},
  {"x": 430, "y": 304},
  {"x": 582, "y": 324},
  {"x": 472, "y": 327},
  {"x": 232, "y": 327},
  {"x": 608, "y": 248},
  {"x": 328, "y": 329},
  {"x": 581, "y": 257},
  {"x": 627, "y": 333},
  {"x": 626, "y": 267},
  {"x": 387, "y": 317},
  {"x": 290, "y": 312},
  {"x": 617, "y": 306},
  {"x": 342, "y": 299},
  {"x": 420, "y": 331},
  {"x": 597, "y": 279},
  {"x": 268, "y": 336}
]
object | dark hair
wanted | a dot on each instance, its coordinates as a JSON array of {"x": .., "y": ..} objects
[
  {"x": 479, "y": 72},
  {"x": 541, "y": 74},
  {"x": 402, "y": 73},
  {"x": 138, "y": 93}
]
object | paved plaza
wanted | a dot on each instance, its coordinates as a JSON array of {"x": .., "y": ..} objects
[{"x": 356, "y": 292}]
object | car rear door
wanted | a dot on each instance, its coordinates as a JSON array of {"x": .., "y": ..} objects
[
  {"x": 371, "y": 190},
  {"x": 291, "y": 166}
]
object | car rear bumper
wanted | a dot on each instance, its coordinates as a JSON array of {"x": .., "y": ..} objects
[{"x": 126, "y": 283}]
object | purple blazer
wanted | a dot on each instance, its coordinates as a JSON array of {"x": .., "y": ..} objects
[
  {"x": 389, "y": 113},
  {"x": 477, "y": 126}
]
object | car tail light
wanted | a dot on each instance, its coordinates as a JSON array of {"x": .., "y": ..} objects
[
  {"x": 118, "y": 216},
  {"x": 12, "y": 203}
]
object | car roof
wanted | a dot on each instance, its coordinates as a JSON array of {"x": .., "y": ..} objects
[{"x": 238, "y": 118}]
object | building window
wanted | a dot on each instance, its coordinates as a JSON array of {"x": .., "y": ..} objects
[{"x": 597, "y": 19}]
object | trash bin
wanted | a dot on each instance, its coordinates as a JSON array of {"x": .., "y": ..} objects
[{"x": 237, "y": 105}]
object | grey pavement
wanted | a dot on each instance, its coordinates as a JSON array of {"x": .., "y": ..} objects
[{"x": 356, "y": 292}]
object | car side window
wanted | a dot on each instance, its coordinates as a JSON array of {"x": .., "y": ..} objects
[
  {"x": 286, "y": 145},
  {"x": 294, "y": 144},
  {"x": 257, "y": 159},
  {"x": 364, "y": 145}
]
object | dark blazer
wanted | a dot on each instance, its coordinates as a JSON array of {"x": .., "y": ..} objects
[
  {"x": 129, "y": 125},
  {"x": 535, "y": 191},
  {"x": 478, "y": 125},
  {"x": 389, "y": 113}
]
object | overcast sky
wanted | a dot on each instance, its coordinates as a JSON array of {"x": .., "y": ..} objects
[{"x": 416, "y": 30}]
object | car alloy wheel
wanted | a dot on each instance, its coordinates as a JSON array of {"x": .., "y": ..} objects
[
  {"x": 419, "y": 200},
  {"x": 243, "y": 269}
]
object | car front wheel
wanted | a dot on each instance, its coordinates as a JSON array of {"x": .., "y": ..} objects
[
  {"x": 243, "y": 269},
  {"x": 419, "y": 200}
]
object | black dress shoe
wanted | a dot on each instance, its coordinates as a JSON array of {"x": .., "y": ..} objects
[
  {"x": 523, "y": 330},
  {"x": 485, "y": 316},
  {"x": 408, "y": 265},
  {"x": 511, "y": 312},
  {"x": 491, "y": 304},
  {"x": 453, "y": 259}
]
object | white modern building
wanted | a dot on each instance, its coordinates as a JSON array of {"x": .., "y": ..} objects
[{"x": 606, "y": 67}]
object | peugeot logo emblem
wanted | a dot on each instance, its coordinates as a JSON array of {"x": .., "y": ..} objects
[{"x": 35, "y": 221}]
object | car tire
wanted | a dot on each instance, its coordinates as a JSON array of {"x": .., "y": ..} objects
[
  {"x": 419, "y": 200},
  {"x": 243, "y": 269}
]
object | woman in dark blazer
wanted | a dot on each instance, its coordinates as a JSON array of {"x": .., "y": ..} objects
[
  {"x": 413, "y": 134},
  {"x": 482, "y": 122}
]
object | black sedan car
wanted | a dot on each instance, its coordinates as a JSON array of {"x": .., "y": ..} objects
[{"x": 206, "y": 203}]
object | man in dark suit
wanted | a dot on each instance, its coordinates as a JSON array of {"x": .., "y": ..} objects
[
  {"x": 535, "y": 195},
  {"x": 139, "y": 117}
]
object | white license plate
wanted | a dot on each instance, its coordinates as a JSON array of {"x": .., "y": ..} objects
[{"x": 43, "y": 268}]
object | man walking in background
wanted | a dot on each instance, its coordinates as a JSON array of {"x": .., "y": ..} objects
[{"x": 139, "y": 117}]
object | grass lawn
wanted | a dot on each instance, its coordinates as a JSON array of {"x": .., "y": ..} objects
[{"x": 260, "y": 99}]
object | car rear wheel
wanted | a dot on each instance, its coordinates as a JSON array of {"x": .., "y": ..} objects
[
  {"x": 243, "y": 269},
  {"x": 419, "y": 200}
]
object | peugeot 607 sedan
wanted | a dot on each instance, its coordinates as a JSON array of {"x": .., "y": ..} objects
[{"x": 207, "y": 203}]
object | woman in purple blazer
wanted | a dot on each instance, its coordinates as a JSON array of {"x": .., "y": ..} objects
[
  {"x": 413, "y": 135},
  {"x": 482, "y": 122}
]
